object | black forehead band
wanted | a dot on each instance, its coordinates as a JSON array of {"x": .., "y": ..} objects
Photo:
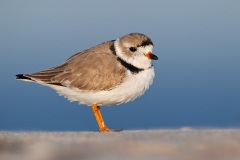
[{"x": 146, "y": 43}]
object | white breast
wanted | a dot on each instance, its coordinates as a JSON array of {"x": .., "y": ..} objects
[{"x": 133, "y": 86}]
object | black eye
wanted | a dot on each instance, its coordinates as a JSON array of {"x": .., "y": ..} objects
[{"x": 133, "y": 49}]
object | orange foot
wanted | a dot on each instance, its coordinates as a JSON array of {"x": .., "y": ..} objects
[
  {"x": 100, "y": 121},
  {"x": 110, "y": 130}
]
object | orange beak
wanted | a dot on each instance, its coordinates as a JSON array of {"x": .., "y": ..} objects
[{"x": 149, "y": 55}]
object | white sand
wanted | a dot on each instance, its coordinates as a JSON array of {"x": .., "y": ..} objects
[{"x": 183, "y": 144}]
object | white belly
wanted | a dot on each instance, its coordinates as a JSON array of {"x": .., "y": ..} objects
[{"x": 134, "y": 85}]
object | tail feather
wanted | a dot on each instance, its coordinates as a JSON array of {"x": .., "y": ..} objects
[
  {"x": 23, "y": 77},
  {"x": 27, "y": 77}
]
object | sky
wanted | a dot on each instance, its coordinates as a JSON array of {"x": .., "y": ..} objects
[{"x": 197, "y": 76}]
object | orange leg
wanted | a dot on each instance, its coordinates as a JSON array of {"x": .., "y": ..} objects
[{"x": 100, "y": 121}]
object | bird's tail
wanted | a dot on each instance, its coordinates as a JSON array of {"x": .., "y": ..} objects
[{"x": 23, "y": 77}]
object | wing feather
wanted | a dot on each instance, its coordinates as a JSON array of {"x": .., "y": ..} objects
[{"x": 93, "y": 69}]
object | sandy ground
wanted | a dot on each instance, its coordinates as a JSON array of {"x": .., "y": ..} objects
[{"x": 182, "y": 144}]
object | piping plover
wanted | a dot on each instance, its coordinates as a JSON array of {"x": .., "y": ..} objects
[{"x": 110, "y": 73}]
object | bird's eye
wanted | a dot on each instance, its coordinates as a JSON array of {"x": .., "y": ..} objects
[{"x": 133, "y": 49}]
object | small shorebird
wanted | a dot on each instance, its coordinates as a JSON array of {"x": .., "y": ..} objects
[{"x": 110, "y": 73}]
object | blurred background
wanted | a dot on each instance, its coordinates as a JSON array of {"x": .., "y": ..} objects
[{"x": 197, "y": 81}]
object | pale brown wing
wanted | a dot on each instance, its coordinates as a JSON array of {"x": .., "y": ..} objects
[{"x": 93, "y": 69}]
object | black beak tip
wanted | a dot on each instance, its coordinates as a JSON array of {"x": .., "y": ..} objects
[{"x": 154, "y": 57}]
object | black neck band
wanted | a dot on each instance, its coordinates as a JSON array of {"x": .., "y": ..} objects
[{"x": 130, "y": 67}]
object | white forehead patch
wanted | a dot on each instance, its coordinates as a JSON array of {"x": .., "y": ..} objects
[{"x": 145, "y": 49}]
